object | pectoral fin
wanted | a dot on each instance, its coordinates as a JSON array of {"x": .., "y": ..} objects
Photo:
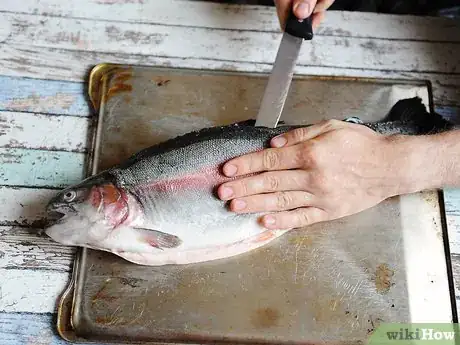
[{"x": 159, "y": 239}]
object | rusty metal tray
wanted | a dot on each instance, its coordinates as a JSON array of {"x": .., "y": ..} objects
[{"x": 331, "y": 283}]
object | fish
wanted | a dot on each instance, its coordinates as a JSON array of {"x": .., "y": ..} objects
[{"x": 160, "y": 206}]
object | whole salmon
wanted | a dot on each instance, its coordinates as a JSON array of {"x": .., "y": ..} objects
[{"x": 159, "y": 207}]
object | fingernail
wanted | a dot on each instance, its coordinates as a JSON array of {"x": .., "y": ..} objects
[
  {"x": 269, "y": 220},
  {"x": 279, "y": 141},
  {"x": 302, "y": 9},
  {"x": 226, "y": 192},
  {"x": 238, "y": 205},
  {"x": 230, "y": 170}
]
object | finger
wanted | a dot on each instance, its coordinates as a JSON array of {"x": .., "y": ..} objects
[
  {"x": 268, "y": 182},
  {"x": 303, "y": 8},
  {"x": 317, "y": 18},
  {"x": 322, "y": 5},
  {"x": 280, "y": 201},
  {"x": 283, "y": 7},
  {"x": 298, "y": 135},
  {"x": 265, "y": 160},
  {"x": 294, "y": 219}
]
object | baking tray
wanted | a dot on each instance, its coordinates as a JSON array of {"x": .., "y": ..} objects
[{"x": 334, "y": 282}]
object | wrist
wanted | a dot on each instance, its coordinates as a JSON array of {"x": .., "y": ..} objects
[{"x": 416, "y": 163}]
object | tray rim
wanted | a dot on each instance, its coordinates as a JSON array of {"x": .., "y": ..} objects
[
  {"x": 97, "y": 83},
  {"x": 100, "y": 71}
]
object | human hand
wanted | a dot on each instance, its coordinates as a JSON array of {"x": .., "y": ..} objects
[
  {"x": 302, "y": 9},
  {"x": 323, "y": 172}
]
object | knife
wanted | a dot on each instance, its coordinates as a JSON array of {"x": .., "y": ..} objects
[{"x": 280, "y": 78}]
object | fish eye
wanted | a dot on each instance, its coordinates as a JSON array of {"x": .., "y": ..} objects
[{"x": 69, "y": 196}]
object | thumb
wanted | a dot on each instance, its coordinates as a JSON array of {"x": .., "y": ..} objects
[
  {"x": 300, "y": 134},
  {"x": 303, "y": 8}
]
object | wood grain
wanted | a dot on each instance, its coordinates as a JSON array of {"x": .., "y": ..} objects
[
  {"x": 31, "y": 291},
  {"x": 29, "y": 329},
  {"x": 247, "y": 46},
  {"x": 61, "y": 64},
  {"x": 34, "y": 329},
  {"x": 455, "y": 261},
  {"x": 24, "y": 206},
  {"x": 452, "y": 206},
  {"x": 23, "y": 248},
  {"x": 46, "y": 96},
  {"x": 26, "y": 131},
  {"x": 40, "y": 168},
  {"x": 241, "y": 17}
]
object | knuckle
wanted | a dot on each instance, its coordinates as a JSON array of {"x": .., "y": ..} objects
[
  {"x": 303, "y": 218},
  {"x": 271, "y": 182},
  {"x": 242, "y": 188},
  {"x": 283, "y": 200},
  {"x": 299, "y": 156},
  {"x": 330, "y": 124},
  {"x": 303, "y": 180},
  {"x": 309, "y": 154},
  {"x": 270, "y": 159},
  {"x": 299, "y": 134}
]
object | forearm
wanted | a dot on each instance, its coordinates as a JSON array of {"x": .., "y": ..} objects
[{"x": 428, "y": 161}]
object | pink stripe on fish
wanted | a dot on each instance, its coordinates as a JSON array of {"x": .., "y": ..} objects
[{"x": 206, "y": 178}]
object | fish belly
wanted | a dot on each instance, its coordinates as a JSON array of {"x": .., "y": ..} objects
[
  {"x": 182, "y": 255},
  {"x": 206, "y": 228}
]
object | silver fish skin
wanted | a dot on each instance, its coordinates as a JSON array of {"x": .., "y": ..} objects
[{"x": 159, "y": 207}]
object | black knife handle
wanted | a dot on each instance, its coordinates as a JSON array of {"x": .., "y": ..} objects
[{"x": 298, "y": 28}]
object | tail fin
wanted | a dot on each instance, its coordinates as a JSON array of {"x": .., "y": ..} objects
[{"x": 412, "y": 110}]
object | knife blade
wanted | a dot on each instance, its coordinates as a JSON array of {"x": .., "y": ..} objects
[{"x": 279, "y": 81}]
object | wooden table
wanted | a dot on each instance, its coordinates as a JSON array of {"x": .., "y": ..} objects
[{"x": 46, "y": 50}]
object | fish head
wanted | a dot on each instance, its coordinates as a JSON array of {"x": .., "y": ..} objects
[
  {"x": 85, "y": 213},
  {"x": 67, "y": 202}
]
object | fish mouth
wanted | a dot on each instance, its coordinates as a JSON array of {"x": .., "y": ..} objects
[{"x": 56, "y": 215}]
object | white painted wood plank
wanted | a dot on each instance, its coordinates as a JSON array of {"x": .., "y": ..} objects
[
  {"x": 40, "y": 168},
  {"x": 246, "y": 46},
  {"x": 34, "y": 329},
  {"x": 29, "y": 329},
  {"x": 31, "y": 291},
  {"x": 23, "y": 206},
  {"x": 241, "y": 17},
  {"x": 455, "y": 259},
  {"x": 31, "y": 95},
  {"x": 5, "y": 30},
  {"x": 41, "y": 131},
  {"x": 452, "y": 206},
  {"x": 48, "y": 63},
  {"x": 23, "y": 248}
]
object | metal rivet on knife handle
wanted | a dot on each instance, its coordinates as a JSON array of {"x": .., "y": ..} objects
[{"x": 299, "y": 28}]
